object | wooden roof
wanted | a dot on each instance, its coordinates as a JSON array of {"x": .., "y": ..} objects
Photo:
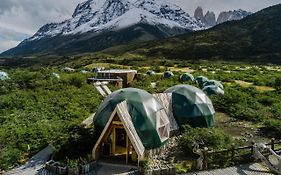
[
  {"x": 123, "y": 113},
  {"x": 166, "y": 100}
]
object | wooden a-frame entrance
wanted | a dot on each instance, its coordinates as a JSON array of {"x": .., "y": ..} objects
[{"x": 119, "y": 137}]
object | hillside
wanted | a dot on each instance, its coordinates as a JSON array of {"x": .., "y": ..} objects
[
  {"x": 256, "y": 38},
  {"x": 91, "y": 42}
]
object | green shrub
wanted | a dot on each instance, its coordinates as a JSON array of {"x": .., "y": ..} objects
[
  {"x": 144, "y": 164},
  {"x": 43, "y": 112},
  {"x": 77, "y": 80},
  {"x": 213, "y": 138},
  {"x": 272, "y": 128}
]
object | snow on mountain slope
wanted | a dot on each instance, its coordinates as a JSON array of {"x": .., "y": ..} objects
[
  {"x": 232, "y": 15},
  {"x": 110, "y": 15}
]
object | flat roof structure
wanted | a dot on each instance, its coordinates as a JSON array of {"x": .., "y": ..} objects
[{"x": 118, "y": 71}]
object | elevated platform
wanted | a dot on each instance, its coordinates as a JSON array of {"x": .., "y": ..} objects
[{"x": 245, "y": 169}]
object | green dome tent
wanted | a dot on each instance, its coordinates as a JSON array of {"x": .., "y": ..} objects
[
  {"x": 186, "y": 77},
  {"x": 200, "y": 80},
  {"x": 213, "y": 90},
  {"x": 143, "y": 109},
  {"x": 3, "y": 76},
  {"x": 168, "y": 74},
  {"x": 213, "y": 82},
  {"x": 191, "y": 106}
]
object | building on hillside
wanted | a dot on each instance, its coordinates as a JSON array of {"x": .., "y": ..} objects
[{"x": 120, "y": 78}]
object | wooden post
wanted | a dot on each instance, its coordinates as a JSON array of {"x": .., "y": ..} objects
[
  {"x": 114, "y": 141},
  {"x": 205, "y": 160},
  {"x": 272, "y": 143},
  {"x": 252, "y": 148},
  {"x": 232, "y": 152},
  {"x": 127, "y": 149}
]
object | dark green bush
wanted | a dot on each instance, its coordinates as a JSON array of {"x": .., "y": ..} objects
[
  {"x": 272, "y": 128},
  {"x": 77, "y": 80},
  {"x": 213, "y": 138}
]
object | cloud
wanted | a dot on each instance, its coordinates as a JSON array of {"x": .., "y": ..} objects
[
  {"x": 28, "y": 15},
  {"x": 20, "y": 19},
  {"x": 10, "y": 38},
  {"x": 7, "y": 44}
]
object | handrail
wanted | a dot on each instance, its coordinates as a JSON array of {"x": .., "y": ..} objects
[{"x": 233, "y": 151}]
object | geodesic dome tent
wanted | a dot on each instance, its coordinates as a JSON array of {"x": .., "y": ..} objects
[
  {"x": 200, "y": 80},
  {"x": 191, "y": 106},
  {"x": 213, "y": 90},
  {"x": 213, "y": 82},
  {"x": 186, "y": 77},
  {"x": 168, "y": 74},
  {"x": 148, "y": 116},
  {"x": 150, "y": 72},
  {"x": 3, "y": 76}
]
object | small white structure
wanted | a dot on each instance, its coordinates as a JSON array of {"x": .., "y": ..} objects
[
  {"x": 67, "y": 69},
  {"x": 84, "y": 71},
  {"x": 55, "y": 75},
  {"x": 3, "y": 75}
]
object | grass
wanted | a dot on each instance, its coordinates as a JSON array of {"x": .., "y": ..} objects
[{"x": 36, "y": 109}]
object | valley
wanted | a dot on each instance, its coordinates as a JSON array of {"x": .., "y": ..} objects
[
  {"x": 160, "y": 88},
  {"x": 56, "y": 107}
]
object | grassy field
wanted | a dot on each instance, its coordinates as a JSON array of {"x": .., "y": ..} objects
[{"x": 37, "y": 108}]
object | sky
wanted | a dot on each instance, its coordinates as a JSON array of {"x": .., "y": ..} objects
[{"x": 20, "y": 19}]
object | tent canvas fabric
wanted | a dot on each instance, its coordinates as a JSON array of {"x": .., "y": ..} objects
[
  {"x": 143, "y": 109},
  {"x": 168, "y": 74},
  {"x": 213, "y": 90},
  {"x": 3, "y": 76},
  {"x": 186, "y": 77},
  {"x": 213, "y": 82},
  {"x": 200, "y": 80},
  {"x": 191, "y": 106}
]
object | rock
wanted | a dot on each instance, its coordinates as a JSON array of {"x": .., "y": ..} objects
[
  {"x": 210, "y": 18},
  {"x": 232, "y": 15},
  {"x": 198, "y": 14}
]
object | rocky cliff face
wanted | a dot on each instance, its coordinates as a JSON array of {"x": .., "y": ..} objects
[
  {"x": 232, "y": 15},
  {"x": 198, "y": 14},
  {"x": 209, "y": 19}
]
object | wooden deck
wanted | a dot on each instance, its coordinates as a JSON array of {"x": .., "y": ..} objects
[
  {"x": 35, "y": 164},
  {"x": 246, "y": 169}
]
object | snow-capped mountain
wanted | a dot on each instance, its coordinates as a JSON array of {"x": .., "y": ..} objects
[
  {"x": 232, "y": 15},
  {"x": 100, "y": 24},
  {"x": 97, "y": 16}
]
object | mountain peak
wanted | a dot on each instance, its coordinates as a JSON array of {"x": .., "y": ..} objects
[
  {"x": 232, "y": 15},
  {"x": 198, "y": 14},
  {"x": 210, "y": 18},
  {"x": 98, "y": 16}
]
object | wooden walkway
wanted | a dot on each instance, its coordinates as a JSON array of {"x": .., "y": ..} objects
[
  {"x": 246, "y": 169},
  {"x": 88, "y": 121},
  {"x": 35, "y": 164}
]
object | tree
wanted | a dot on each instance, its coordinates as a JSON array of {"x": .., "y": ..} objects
[{"x": 277, "y": 83}]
